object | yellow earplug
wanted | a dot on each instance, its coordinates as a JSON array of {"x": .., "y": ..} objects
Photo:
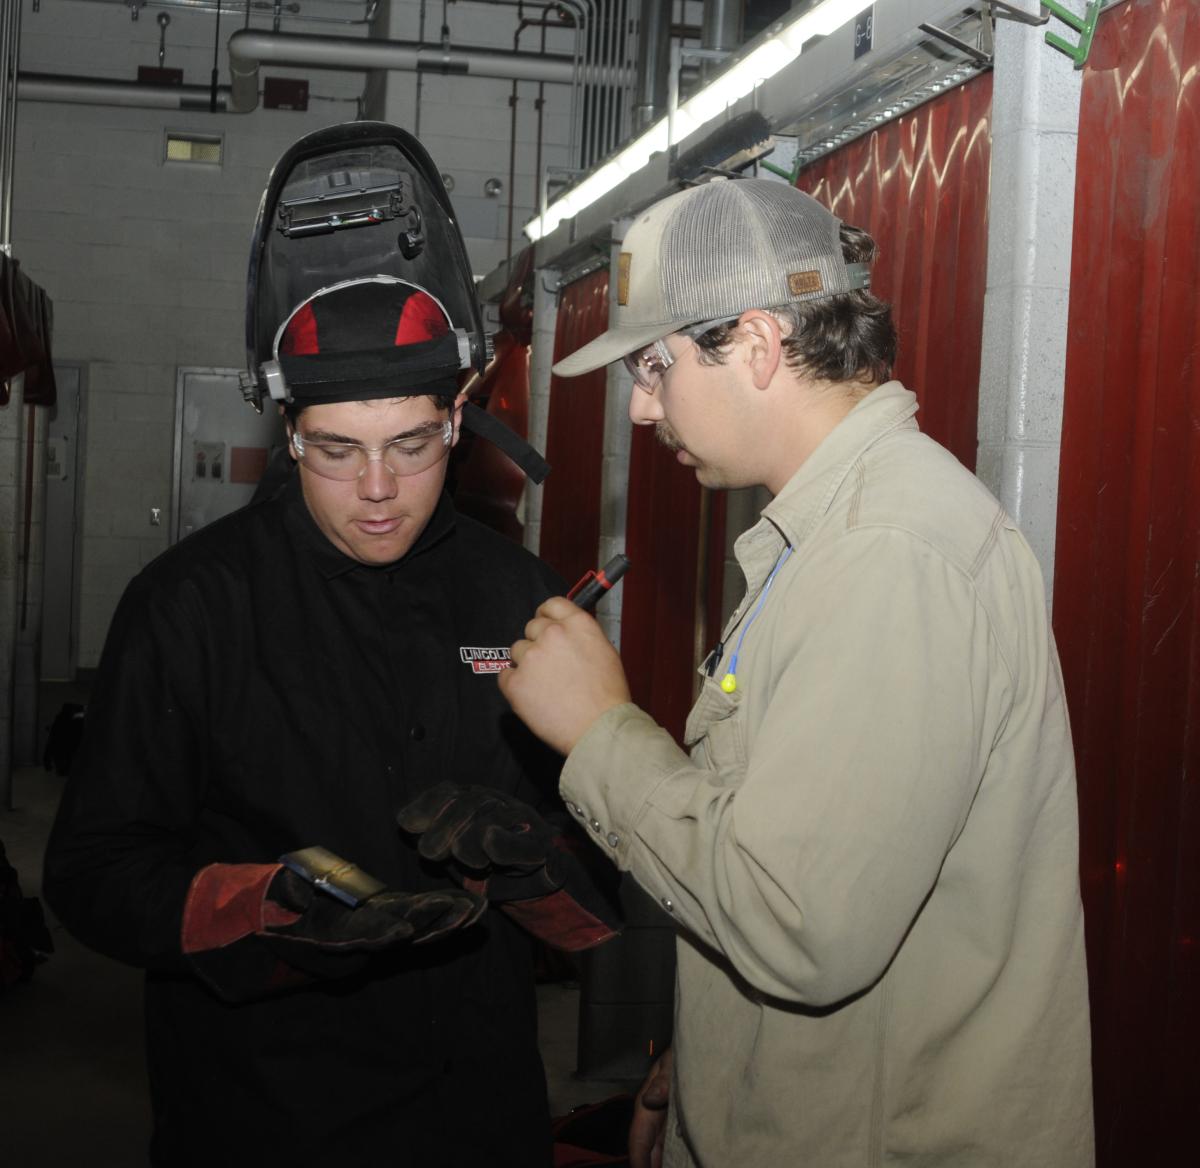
[{"x": 729, "y": 683}]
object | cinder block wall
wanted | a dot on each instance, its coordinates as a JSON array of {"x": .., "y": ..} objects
[{"x": 145, "y": 260}]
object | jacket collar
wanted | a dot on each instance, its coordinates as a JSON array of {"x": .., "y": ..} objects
[{"x": 329, "y": 560}]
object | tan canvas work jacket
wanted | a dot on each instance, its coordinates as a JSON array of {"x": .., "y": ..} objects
[{"x": 871, "y": 849}]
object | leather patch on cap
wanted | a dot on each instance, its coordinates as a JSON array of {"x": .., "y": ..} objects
[
  {"x": 623, "y": 277},
  {"x": 800, "y": 283}
]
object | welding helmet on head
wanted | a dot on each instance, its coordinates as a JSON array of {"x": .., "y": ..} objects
[{"x": 359, "y": 284}]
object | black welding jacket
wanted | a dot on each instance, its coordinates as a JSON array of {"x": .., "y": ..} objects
[{"x": 260, "y": 692}]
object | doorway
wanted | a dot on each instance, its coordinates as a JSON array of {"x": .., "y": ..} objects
[{"x": 222, "y": 447}]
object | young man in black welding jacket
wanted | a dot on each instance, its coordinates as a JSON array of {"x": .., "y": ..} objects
[{"x": 304, "y": 673}]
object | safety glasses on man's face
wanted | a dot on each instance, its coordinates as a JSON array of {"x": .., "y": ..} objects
[
  {"x": 648, "y": 365},
  {"x": 349, "y": 460}
]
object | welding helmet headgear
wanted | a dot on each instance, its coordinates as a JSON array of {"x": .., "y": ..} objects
[
  {"x": 378, "y": 336},
  {"x": 359, "y": 283}
]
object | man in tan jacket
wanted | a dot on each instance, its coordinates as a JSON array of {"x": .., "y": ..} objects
[{"x": 870, "y": 843}]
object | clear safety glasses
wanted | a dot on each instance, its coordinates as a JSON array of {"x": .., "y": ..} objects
[
  {"x": 349, "y": 460},
  {"x": 647, "y": 366}
]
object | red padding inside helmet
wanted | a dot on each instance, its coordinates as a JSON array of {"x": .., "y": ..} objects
[
  {"x": 421, "y": 320},
  {"x": 300, "y": 336}
]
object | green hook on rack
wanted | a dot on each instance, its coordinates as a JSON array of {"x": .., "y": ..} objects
[
  {"x": 790, "y": 175},
  {"x": 1085, "y": 26}
]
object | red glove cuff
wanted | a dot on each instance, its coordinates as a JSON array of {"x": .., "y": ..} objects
[
  {"x": 559, "y": 920},
  {"x": 227, "y": 902}
]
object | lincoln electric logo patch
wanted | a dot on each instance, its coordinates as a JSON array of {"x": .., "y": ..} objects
[{"x": 484, "y": 660}]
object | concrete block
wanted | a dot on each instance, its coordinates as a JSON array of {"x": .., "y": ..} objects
[
  {"x": 222, "y": 345},
  {"x": 8, "y": 559},
  {"x": 150, "y": 549},
  {"x": 95, "y": 615},
  {"x": 153, "y": 413},
  {"x": 1024, "y": 476},
  {"x": 8, "y": 507},
  {"x": 103, "y": 552},
  {"x": 1040, "y": 87},
  {"x": 112, "y": 578},
  {"x": 8, "y": 466},
  {"x": 216, "y": 295},
  {"x": 997, "y": 360},
  {"x": 106, "y": 377},
  {"x": 1023, "y": 366},
  {"x": 131, "y": 523},
  {"x": 1031, "y": 217},
  {"x": 481, "y": 217}
]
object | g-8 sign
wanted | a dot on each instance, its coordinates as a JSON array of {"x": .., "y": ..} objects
[{"x": 864, "y": 32}]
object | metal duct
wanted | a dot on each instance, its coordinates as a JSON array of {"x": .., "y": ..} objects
[
  {"x": 248, "y": 49},
  {"x": 721, "y": 27},
  {"x": 10, "y": 53},
  {"x": 100, "y": 91},
  {"x": 653, "y": 63}
]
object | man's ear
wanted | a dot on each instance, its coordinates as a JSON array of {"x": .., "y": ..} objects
[
  {"x": 763, "y": 338},
  {"x": 287, "y": 429},
  {"x": 456, "y": 417}
]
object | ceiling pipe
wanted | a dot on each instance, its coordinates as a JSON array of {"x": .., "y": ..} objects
[
  {"x": 250, "y": 48},
  {"x": 721, "y": 31},
  {"x": 10, "y": 54},
  {"x": 101, "y": 91},
  {"x": 653, "y": 63},
  {"x": 721, "y": 26}
]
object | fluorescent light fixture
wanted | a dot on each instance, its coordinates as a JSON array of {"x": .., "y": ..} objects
[{"x": 734, "y": 83}]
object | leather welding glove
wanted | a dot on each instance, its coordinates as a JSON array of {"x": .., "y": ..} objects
[
  {"x": 324, "y": 923},
  {"x": 249, "y": 929},
  {"x": 494, "y": 841}
]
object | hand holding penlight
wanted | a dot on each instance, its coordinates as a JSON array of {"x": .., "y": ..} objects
[{"x": 595, "y": 583}]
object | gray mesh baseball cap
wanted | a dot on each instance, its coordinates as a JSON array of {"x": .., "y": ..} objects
[{"x": 712, "y": 251}]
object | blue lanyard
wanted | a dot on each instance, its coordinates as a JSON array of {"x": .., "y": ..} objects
[{"x": 729, "y": 681}]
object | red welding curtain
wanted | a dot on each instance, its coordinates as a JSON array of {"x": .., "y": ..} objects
[
  {"x": 670, "y": 527},
  {"x": 1127, "y": 572},
  {"x": 919, "y": 185},
  {"x": 664, "y": 522},
  {"x": 575, "y": 436}
]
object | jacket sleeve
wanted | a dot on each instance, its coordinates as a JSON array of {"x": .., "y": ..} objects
[
  {"x": 117, "y": 868},
  {"x": 805, "y": 860}
]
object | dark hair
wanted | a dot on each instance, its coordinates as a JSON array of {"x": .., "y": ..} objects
[
  {"x": 444, "y": 401},
  {"x": 847, "y": 337}
]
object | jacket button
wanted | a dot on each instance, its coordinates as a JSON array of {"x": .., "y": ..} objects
[
  {"x": 613, "y": 839},
  {"x": 416, "y": 732},
  {"x": 666, "y": 903},
  {"x": 595, "y": 825}
]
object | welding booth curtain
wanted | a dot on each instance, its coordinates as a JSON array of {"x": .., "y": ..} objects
[
  {"x": 26, "y": 323},
  {"x": 575, "y": 436},
  {"x": 1127, "y": 571},
  {"x": 674, "y": 534},
  {"x": 919, "y": 186}
]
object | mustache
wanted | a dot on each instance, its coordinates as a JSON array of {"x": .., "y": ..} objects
[{"x": 667, "y": 436}]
